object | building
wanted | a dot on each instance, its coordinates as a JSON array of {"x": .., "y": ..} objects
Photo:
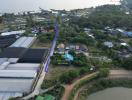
[
  {"x": 18, "y": 70},
  {"x": 24, "y": 42},
  {"x": 61, "y": 48},
  {"x": 13, "y": 33},
  {"x": 108, "y": 44},
  {"x": 6, "y": 41}
]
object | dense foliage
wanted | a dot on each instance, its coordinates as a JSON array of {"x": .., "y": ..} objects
[
  {"x": 108, "y": 15},
  {"x": 1, "y": 19},
  {"x": 72, "y": 34},
  {"x": 45, "y": 38},
  {"x": 68, "y": 77},
  {"x": 127, "y": 63},
  {"x": 103, "y": 72}
]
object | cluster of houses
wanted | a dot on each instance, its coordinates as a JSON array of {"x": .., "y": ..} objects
[
  {"x": 118, "y": 30},
  {"x": 65, "y": 48},
  {"x": 124, "y": 52}
]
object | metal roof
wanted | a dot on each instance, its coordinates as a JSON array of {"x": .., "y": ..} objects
[
  {"x": 17, "y": 74},
  {"x": 15, "y": 85},
  {"x": 23, "y": 66},
  {"x": 2, "y": 60},
  {"x": 24, "y": 42},
  {"x": 7, "y": 95},
  {"x": 12, "y": 52},
  {"x": 6, "y": 41}
]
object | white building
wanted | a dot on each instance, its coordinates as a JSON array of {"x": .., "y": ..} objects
[{"x": 13, "y": 33}]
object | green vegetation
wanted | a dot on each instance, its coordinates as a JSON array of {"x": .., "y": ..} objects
[
  {"x": 72, "y": 34},
  {"x": 45, "y": 38},
  {"x": 57, "y": 92},
  {"x": 48, "y": 83},
  {"x": 58, "y": 59},
  {"x": 127, "y": 63},
  {"x": 103, "y": 72},
  {"x": 79, "y": 59},
  {"x": 130, "y": 42},
  {"x": 108, "y": 15},
  {"x": 1, "y": 19},
  {"x": 69, "y": 76}
]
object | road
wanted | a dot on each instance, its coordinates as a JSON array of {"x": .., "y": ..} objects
[
  {"x": 69, "y": 88},
  {"x": 121, "y": 73},
  {"x": 46, "y": 63}
]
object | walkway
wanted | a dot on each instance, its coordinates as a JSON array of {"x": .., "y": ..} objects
[{"x": 68, "y": 88}]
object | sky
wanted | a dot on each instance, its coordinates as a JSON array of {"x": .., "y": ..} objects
[{"x": 33, "y": 5}]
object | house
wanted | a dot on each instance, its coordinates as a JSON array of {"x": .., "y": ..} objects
[
  {"x": 124, "y": 44},
  {"x": 61, "y": 48},
  {"x": 108, "y": 44},
  {"x": 124, "y": 54},
  {"x": 77, "y": 47}
]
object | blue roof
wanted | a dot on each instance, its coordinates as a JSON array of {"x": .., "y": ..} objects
[
  {"x": 128, "y": 33},
  {"x": 69, "y": 57}
]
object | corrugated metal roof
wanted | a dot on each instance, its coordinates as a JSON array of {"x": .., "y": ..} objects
[
  {"x": 17, "y": 73},
  {"x": 2, "y": 60},
  {"x": 23, "y": 42},
  {"x": 19, "y": 42},
  {"x": 28, "y": 42},
  {"x": 7, "y": 95},
  {"x": 15, "y": 85},
  {"x": 4, "y": 65},
  {"x": 23, "y": 66}
]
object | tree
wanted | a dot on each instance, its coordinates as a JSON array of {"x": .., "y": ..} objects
[
  {"x": 103, "y": 72},
  {"x": 68, "y": 77},
  {"x": 1, "y": 19},
  {"x": 130, "y": 42},
  {"x": 84, "y": 70},
  {"x": 127, "y": 63}
]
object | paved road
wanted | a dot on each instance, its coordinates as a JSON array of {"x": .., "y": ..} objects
[
  {"x": 120, "y": 74},
  {"x": 45, "y": 66}
]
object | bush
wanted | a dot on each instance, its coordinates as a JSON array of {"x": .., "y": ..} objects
[
  {"x": 84, "y": 70},
  {"x": 103, "y": 72},
  {"x": 68, "y": 77},
  {"x": 48, "y": 83}
]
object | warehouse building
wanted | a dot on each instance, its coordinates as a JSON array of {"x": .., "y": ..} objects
[
  {"x": 18, "y": 70},
  {"x": 24, "y": 42},
  {"x": 23, "y": 66},
  {"x": 6, "y": 41},
  {"x": 24, "y": 55}
]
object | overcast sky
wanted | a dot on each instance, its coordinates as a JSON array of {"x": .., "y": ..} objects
[{"x": 25, "y": 5}]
